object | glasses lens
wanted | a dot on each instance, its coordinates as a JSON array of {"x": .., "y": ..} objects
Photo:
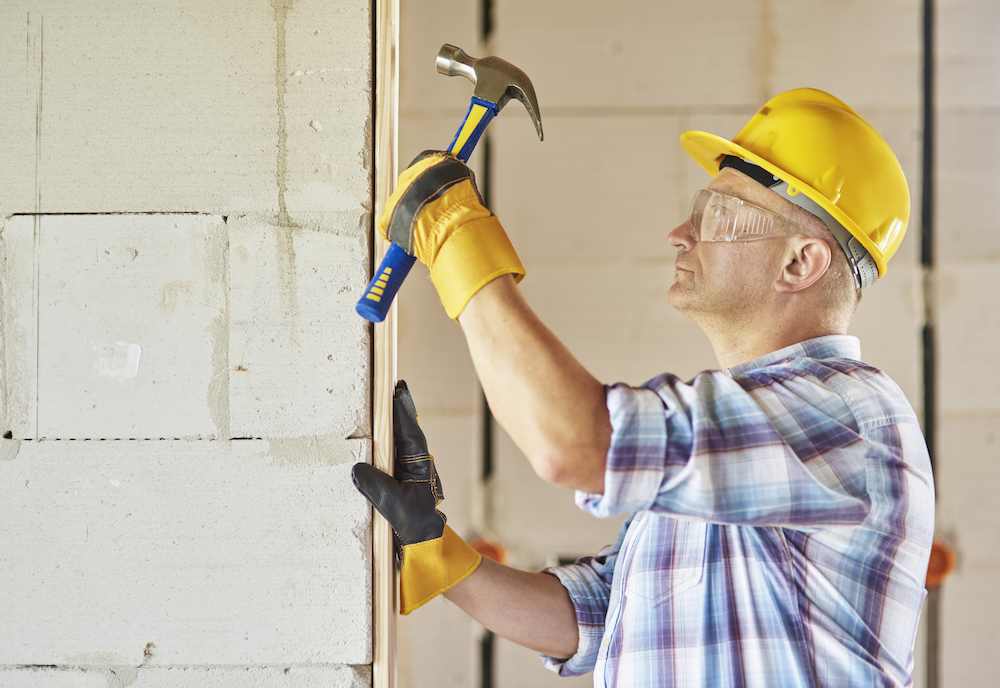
[
  {"x": 717, "y": 217},
  {"x": 697, "y": 212}
]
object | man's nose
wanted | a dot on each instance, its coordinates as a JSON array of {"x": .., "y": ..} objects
[{"x": 682, "y": 236}]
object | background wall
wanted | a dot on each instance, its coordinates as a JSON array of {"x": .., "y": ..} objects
[
  {"x": 185, "y": 204},
  {"x": 589, "y": 210}
]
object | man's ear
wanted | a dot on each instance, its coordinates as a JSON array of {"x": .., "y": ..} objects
[{"x": 804, "y": 262}]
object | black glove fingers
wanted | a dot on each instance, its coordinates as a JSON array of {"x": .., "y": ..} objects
[
  {"x": 420, "y": 470},
  {"x": 409, "y": 438}
]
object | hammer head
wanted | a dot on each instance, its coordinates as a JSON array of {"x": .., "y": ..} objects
[{"x": 496, "y": 80}]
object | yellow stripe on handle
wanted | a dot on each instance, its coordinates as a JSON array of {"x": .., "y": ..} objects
[{"x": 476, "y": 114}]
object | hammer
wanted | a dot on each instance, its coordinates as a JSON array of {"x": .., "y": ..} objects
[{"x": 497, "y": 81}]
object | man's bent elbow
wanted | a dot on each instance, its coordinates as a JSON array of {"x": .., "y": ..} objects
[{"x": 573, "y": 470}]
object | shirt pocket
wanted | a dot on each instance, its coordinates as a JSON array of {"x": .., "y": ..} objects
[{"x": 669, "y": 559}]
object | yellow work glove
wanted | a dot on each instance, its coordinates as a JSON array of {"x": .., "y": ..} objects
[
  {"x": 433, "y": 557},
  {"x": 437, "y": 215}
]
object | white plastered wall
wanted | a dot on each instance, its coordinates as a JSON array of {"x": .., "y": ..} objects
[
  {"x": 589, "y": 209},
  {"x": 185, "y": 204}
]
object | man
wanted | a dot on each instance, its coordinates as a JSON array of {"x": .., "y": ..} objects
[{"x": 781, "y": 507}]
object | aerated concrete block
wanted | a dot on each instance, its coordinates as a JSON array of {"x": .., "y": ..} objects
[
  {"x": 967, "y": 332},
  {"x": 598, "y": 188},
  {"x": 189, "y": 677},
  {"x": 425, "y": 26},
  {"x": 19, "y": 331},
  {"x": 964, "y": 224},
  {"x": 433, "y": 355},
  {"x": 299, "y": 356},
  {"x": 633, "y": 54},
  {"x": 615, "y": 318},
  {"x": 519, "y": 666},
  {"x": 970, "y": 620},
  {"x": 966, "y": 469},
  {"x": 152, "y": 108},
  {"x": 538, "y": 522},
  {"x": 437, "y": 648},
  {"x": 130, "y": 315},
  {"x": 224, "y": 107},
  {"x": 184, "y": 554},
  {"x": 877, "y": 46},
  {"x": 967, "y": 56},
  {"x": 325, "y": 139},
  {"x": 889, "y": 323}
]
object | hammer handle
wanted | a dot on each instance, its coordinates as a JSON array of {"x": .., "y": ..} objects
[
  {"x": 481, "y": 113},
  {"x": 375, "y": 302}
]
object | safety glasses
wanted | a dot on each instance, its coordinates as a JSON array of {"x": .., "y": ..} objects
[{"x": 717, "y": 217}]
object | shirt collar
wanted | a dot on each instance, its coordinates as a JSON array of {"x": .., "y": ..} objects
[{"x": 831, "y": 346}]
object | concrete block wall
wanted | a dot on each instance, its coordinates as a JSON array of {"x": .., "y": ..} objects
[
  {"x": 589, "y": 210},
  {"x": 185, "y": 203}
]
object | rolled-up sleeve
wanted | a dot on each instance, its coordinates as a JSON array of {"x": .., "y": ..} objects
[{"x": 588, "y": 582}]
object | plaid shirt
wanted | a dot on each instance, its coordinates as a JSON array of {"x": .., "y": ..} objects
[{"x": 782, "y": 514}]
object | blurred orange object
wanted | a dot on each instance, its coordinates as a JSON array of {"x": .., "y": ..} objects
[
  {"x": 490, "y": 549},
  {"x": 941, "y": 565}
]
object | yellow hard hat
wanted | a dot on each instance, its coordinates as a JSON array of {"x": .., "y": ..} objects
[{"x": 822, "y": 156}]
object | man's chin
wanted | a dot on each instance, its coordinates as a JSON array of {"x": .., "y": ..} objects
[{"x": 679, "y": 296}]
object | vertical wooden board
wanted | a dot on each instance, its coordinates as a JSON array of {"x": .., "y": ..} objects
[
  {"x": 235, "y": 553},
  {"x": 132, "y": 324},
  {"x": 299, "y": 355},
  {"x": 634, "y": 53},
  {"x": 386, "y": 107},
  {"x": 19, "y": 330},
  {"x": 161, "y": 107}
]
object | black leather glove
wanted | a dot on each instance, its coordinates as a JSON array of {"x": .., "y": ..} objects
[{"x": 433, "y": 557}]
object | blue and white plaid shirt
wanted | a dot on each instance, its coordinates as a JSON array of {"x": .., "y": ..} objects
[{"x": 782, "y": 515}]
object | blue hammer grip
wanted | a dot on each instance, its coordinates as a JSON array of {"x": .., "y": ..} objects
[
  {"x": 374, "y": 304},
  {"x": 481, "y": 113}
]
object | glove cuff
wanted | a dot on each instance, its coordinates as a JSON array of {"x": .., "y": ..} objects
[
  {"x": 475, "y": 254},
  {"x": 429, "y": 568}
]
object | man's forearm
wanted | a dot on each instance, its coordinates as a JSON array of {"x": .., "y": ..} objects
[
  {"x": 554, "y": 410},
  {"x": 530, "y": 609}
]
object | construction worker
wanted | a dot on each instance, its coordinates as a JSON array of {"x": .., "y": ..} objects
[{"x": 781, "y": 507}]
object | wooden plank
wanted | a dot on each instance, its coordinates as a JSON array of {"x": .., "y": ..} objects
[{"x": 386, "y": 107}]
